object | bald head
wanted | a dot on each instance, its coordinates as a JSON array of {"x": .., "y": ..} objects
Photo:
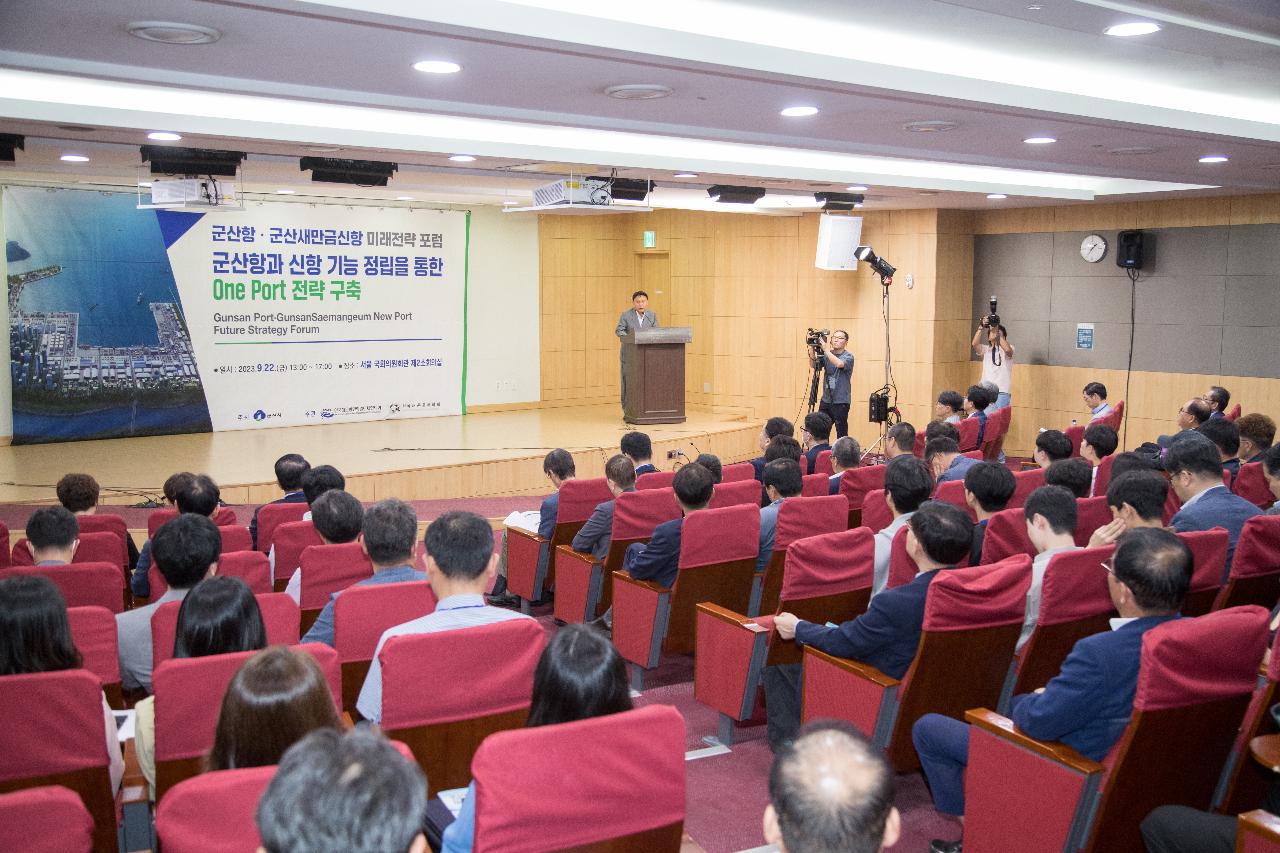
[{"x": 830, "y": 791}]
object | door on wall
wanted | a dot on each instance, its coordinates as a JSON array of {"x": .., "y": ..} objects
[{"x": 653, "y": 276}]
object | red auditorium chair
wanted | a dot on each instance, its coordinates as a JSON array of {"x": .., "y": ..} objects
[
  {"x": 1172, "y": 503},
  {"x": 1006, "y": 536},
  {"x": 361, "y": 614},
  {"x": 444, "y": 693},
  {"x": 1255, "y": 565},
  {"x": 1102, "y": 478},
  {"x": 798, "y": 518},
  {"x": 527, "y": 577},
  {"x": 63, "y": 744},
  {"x": 223, "y": 516},
  {"x": 737, "y": 471},
  {"x": 249, "y": 565},
  {"x": 93, "y": 548},
  {"x": 902, "y": 569},
  {"x": 969, "y": 434},
  {"x": 822, "y": 465},
  {"x": 81, "y": 584},
  {"x": 584, "y": 588},
  {"x": 1244, "y": 782},
  {"x": 1113, "y": 418},
  {"x": 327, "y": 569},
  {"x": 975, "y": 455},
  {"x": 1075, "y": 432},
  {"x": 875, "y": 514},
  {"x": 718, "y": 550},
  {"x": 1074, "y": 603},
  {"x": 48, "y": 819},
  {"x": 952, "y": 492},
  {"x": 1251, "y": 484},
  {"x": 1091, "y": 513},
  {"x": 815, "y": 486},
  {"x": 271, "y": 516},
  {"x": 1209, "y": 554},
  {"x": 825, "y": 578},
  {"x": 189, "y": 695},
  {"x": 735, "y": 493},
  {"x": 279, "y": 616},
  {"x": 1024, "y": 483},
  {"x": 93, "y": 629},
  {"x": 972, "y": 619},
  {"x": 854, "y": 485},
  {"x": 100, "y": 522},
  {"x": 213, "y": 812},
  {"x": 5, "y": 558},
  {"x": 917, "y": 449},
  {"x": 993, "y": 436},
  {"x": 1258, "y": 831},
  {"x": 1194, "y": 683},
  {"x": 656, "y": 479},
  {"x": 291, "y": 539},
  {"x": 606, "y": 783},
  {"x": 1232, "y": 413},
  {"x": 235, "y": 538}
]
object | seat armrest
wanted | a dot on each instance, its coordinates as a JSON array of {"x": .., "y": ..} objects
[
  {"x": 1004, "y": 728},
  {"x": 521, "y": 532},
  {"x": 652, "y": 586},
  {"x": 724, "y": 614},
  {"x": 568, "y": 553},
  {"x": 853, "y": 667},
  {"x": 1258, "y": 823}
]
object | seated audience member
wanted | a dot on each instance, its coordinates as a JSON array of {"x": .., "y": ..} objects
[
  {"x": 1195, "y": 474},
  {"x": 1095, "y": 397},
  {"x": 339, "y": 790},
  {"x": 579, "y": 676},
  {"x": 559, "y": 467},
  {"x": 186, "y": 551},
  {"x": 277, "y": 698},
  {"x": 943, "y": 457},
  {"x": 1087, "y": 705},
  {"x": 781, "y": 447},
  {"x": 900, "y": 439},
  {"x": 1051, "y": 517},
  {"x": 1225, "y": 436},
  {"x": 318, "y": 480},
  {"x": 993, "y": 393},
  {"x": 1271, "y": 470},
  {"x": 289, "y": 471},
  {"x": 219, "y": 616},
  {"x": 1126, "y": 463},
  {"x": 949, "y": 407},
  {"x": 35, "y": 636},
  {"x": 637, "y": 447},
  {"x": 388, "y": 531},
  {"x": 941, "y": 429},
  {"x": 712, "y": 463},
  {"x": 1182, "y": 829},
  {"x": 907, "y": 484},
  {"x": 1217, "y": 398},
  {"x": 594, "y": 536},
  {"x": 815, "y": 437},
  {"x": 53, "y": 534},
  {"x": 460, "y": 564},
  {"x": 658, "y": 560},
  {"x": 1192, "y": 414},
  {"x": 782, "y": 480},
  {"x": 1136, "y": 499},
  {"x": 1074, "y": 475},
  {"x": 845, "y": 454},
  {"x": 988, "y": 488},
  {"x": 976, "y": 401},
  {"x": 1257, "y": 431},
  {"x": 79, "y": 494},
  {"x": 198, "y": 494},
  {"x": 1098, "y": 442},
  {"x": 338, "y": 518},
  {"x": 1051, "y": 445},
  {"x": 886, "y": 636},
  {"x": 831, "y": 790},
  {"x": 772, "y": 428}
]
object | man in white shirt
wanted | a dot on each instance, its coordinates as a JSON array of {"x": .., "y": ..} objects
[
  {"x": 1095, "y": 397},
  {"x": 338, "y": 517},
  {"x": 907, "y": 484},
  {"x": 1051, "y": 526}
]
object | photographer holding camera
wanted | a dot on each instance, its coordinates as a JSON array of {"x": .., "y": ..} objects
[
  {"x": 828, "y": 351},
  {"x": 991, "y": 343}
]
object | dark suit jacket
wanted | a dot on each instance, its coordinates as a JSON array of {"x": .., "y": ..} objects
[
  {"x": 547, "y": 515},
  {"x": 757, "y": 465},
  {"x": 812, "y": 455},
  {"x": 975, "y": 549},
  {"x": 1088, "y": 703},
  {"x": 834, "y": 487},
  {"x": 646, "y": 468},
  {"x": 596, "y": 534},
  {"x": 1217, "y": 507},
  {"x": 886, "y": 636},
  {"x": 290, "y": 498},
  {"x": 660, "y": 559},
  {"x": 1232, "y": 465}
]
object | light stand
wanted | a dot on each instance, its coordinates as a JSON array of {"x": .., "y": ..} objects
[{"x": 885, "y": 271}]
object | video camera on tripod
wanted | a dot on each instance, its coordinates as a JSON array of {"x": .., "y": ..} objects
[{"x": 815, "y": 338}]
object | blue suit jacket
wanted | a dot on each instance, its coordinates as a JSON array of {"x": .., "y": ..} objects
[
  {"x": 811, "y": 455},
  {"x": 596, "y": 534},
  {"x": 834, "y": 487},
  {"x": 291, "y": 498},
  {"x": 1088, "y": 703},
  {"x": 659, "y": 560},
  {"x": 646, "y": 468},
  {"x": 1217, "y": 507},
  {"x": 957, "y": 469},
  {"x": 886, "y": 636}
]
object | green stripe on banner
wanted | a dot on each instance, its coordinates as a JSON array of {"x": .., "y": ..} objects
[{"x": 466, "y": 275}]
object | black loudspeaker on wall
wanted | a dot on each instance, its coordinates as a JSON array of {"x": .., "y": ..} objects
[{"x": 1129, "y": 254}]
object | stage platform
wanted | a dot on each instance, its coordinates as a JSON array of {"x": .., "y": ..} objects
[{"x": 476, "y": 455}]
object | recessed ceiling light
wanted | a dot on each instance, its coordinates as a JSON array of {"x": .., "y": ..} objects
[
  {"x": 638, "y": 91},
  {"x": 168, "y": 32},
  {"x": 1214, "y": 158},
  {"x": 74, "y": 158},
  {"x": 1136, "y": 28},
  {"x": 404, "y": 198},
  {"x": 684, "y": 175},
  {"x": 996, "y": 196},
  {"x": 462, "y": 158},
  {"x": 437, "y": 66},
  {"x": 930, "y": 126},
  {"x": 799, "y": 111},
  {"x": 163, "y": 136},
  {"x": 144, "y": 183},
  {"x": 1039, "y": 140},
  {"x": 856, "y": 188},
  {"x": 284, "y": 192}
]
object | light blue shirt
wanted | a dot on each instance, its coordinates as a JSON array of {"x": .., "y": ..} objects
[
  {"x": 460, "y": 835},
  {"x": 456, "y": 611},
  {"x": 768, "y": 527},
  {"x": 322, "y": 629},
  {"x": 884, "y": 546},
  {"x": 1102, "y": 411}
]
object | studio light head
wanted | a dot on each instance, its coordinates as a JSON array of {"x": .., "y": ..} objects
[{"x": 878, "y": 265}]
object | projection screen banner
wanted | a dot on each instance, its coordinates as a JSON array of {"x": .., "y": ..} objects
[{"x": 146, "y": 322}]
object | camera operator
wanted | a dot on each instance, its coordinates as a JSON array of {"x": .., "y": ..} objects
[
  {"x": 991, "y": 343},
  {"x": 837, "y": 366}
]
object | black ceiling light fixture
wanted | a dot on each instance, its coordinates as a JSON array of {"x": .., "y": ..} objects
[
  {"x": 364, "y": 173},
  {"x": 839, "y": 201},
  {"x": 171, "y": 160},
  {"x": 726, "y": 194},
  {"x": 626, "y": 189}
]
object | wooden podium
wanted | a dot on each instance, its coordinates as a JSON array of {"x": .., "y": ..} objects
[{"x": 654, "y": 360}]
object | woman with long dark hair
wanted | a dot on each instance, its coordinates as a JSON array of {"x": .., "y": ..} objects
[{"x": 35, "y": 636}]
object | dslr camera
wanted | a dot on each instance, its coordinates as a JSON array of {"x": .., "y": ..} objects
[
  {"x": 815, "y": 337},
  {"x": 992, "y": 320}
]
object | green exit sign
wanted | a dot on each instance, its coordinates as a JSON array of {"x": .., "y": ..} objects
[{"x": 650, "y": 239}]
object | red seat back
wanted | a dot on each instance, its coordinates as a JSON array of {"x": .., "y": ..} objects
[
  {"x": 574, "y": 785},
  {"x": 362, "y": 613},
  {"x": 579, "y": 498},
  {"x": 1006, "y": 536},
  {"x": 291, "y": 539},
  {"x": 327, "y": 569},
  {"x": 1251, "y": 484},
  {"x": 1024, "y": 483},
  {"x": 731, "y": 494},
  {"x": 101, "y": 522},
  {"x": 249, "y": 565},
  {"x": 223, "y": 516},
  {"x": 99, "y": 547},
  {"x": 5, "y": 558},
  {"x": 280, "y": 617},
  {"x": 856, "y": 482},
  {"x": 1102, "y": 478},
  {"x": 1091, "y": 513},
  {"x": 635, "y": 514},
  {"x": 917, "y": 449},
  {"x": 1114, "y": 417},
  {"x": 828, "y": 564},
  {"x": 875, "y": 512},
  {"x": 1209, "y": 554},
  {"x": 969, "y": 433},
  {"x": 997, "y": 429},
  {"x": 822, "y": 464},
  {"x": 1232, "y": 413},
  {"x": 952, "y": 492},
  {"x": 1075, "y": 432},
  {"x": 271, "y": 516},
  {"x": 1258, "y": 548},
  {"x": 737, "y": 471},
  {"x": 82, "y": 584},
  {"x": 902, "y": 569},
  {"x": 815, "y": 485},
  {"x": 48, "y": 819},
  {"x": 799, "y": 518},
  {"x": 655, "y": 479},
  {"x": 94, "y": 631},
  {"x": 714, "y": 536},
  {"x": 235, "y": 538},
  {"x": 221, "y": 805}
]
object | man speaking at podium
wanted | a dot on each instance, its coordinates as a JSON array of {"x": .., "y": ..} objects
[
  {"x": 837, "y": 367},
  {"x": 632, "y": 320}
]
